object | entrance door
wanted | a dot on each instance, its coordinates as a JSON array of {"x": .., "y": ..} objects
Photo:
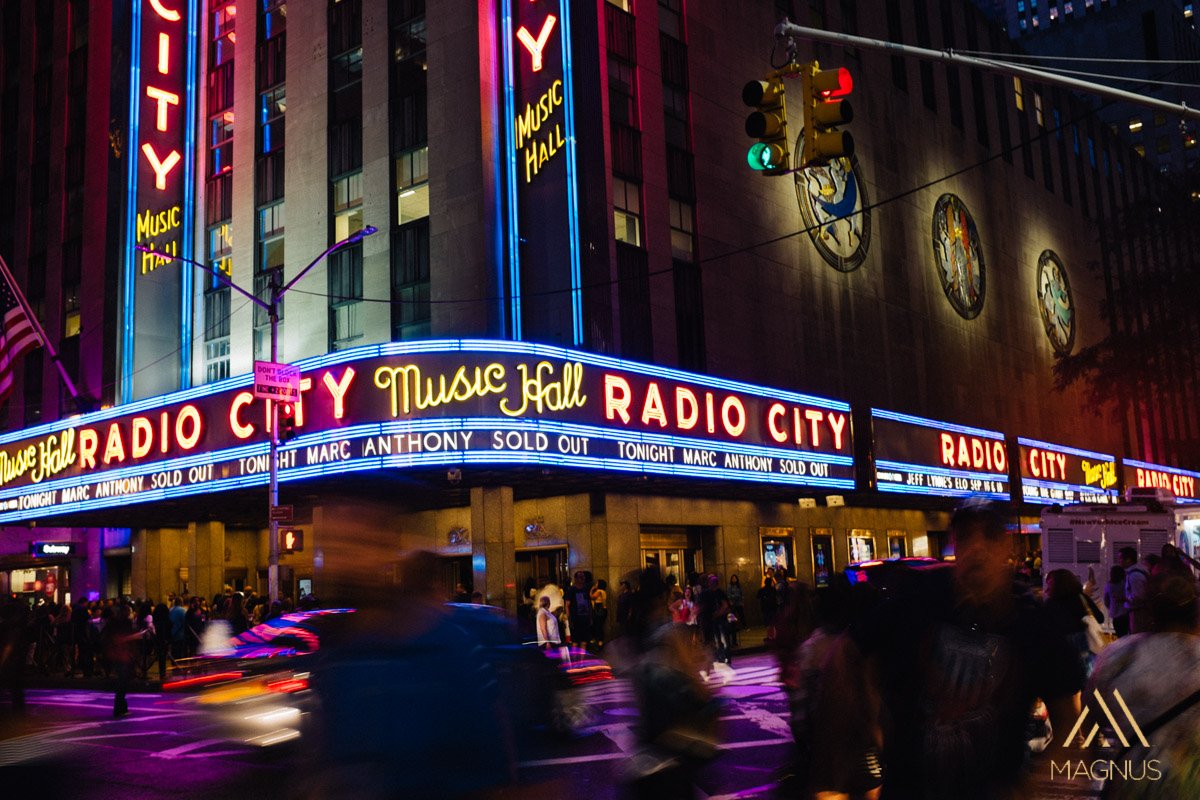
[
  {"x": 669, "y": 562},
  {"x": 456, "y": 571},
  {"x": 536, "y": 568}
]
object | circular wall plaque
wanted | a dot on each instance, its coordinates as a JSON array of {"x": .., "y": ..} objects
[{"x": 958, "y": 256}]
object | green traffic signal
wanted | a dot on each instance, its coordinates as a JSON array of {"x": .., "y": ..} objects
[{"x": 764, "y": 156}]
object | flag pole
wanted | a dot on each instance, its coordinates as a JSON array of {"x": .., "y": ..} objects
[{"x": 41, "y": 332}]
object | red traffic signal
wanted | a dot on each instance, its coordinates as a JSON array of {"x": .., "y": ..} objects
[
  {"x": 832, "y": 84},
  {"x": 287, "y": 421},
  {"x": 824, "y": 111}
]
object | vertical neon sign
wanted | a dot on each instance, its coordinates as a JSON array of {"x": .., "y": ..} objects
[
  {"x": 160, "y": 198},
  {"x": 542, "y": 215}
]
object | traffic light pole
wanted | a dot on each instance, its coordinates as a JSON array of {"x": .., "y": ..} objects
[
  {"x": 792, "y": 31},
  {"x": 271, "y": 306}
]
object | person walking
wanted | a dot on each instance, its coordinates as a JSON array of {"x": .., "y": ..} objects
[
  {"x": 547, "y": 626},
  {"x": 737, "y": 604},
  {"x": 712, "y": 611},
  {"x": 162, "y": 638},
  {"x": 120, "y": 643},
  {"x": 958, "y": 656},
  {"x": 1114, "y": 601},
  {"x": 578, "y": 600},
  {"x": 624, "y": 606},
  {"x": 599, "y": 611},
  {"x": 768, "y": 602},
  {"x": 1136, "y": 578}
]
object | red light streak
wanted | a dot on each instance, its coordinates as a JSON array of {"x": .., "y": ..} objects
[{"x": 201, "y": 680}]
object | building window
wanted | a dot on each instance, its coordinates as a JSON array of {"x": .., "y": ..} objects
[
  {"x": 224, "y": 20},
  {"x": 412, "y": 186},
  {"x": 274, "y": 19},
  {"x": 682, "y": 236},
  {"x": 347, "y": 206},
  {"x": 624, "y": 5},
  {"x": 272, "y": 104},
  {"x": 345, "y": 70},
  {"x": 410, "y": 281},
  {"x": 271, "y": 237},
  {"x": 1037, "y": 110},
  {"x": 670, "y": 17},
  {"x": 627, "y": 212},
  {"x": 622, "y": 100},
  {"x": 1018, "y": 94},
  {"x": 220, "y": 143},
  {"x": 220, "y": 252}
]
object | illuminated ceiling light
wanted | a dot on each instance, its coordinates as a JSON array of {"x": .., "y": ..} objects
[
  {"x": 408, "y": 192},
  {"x": 1135, "y": 125}
]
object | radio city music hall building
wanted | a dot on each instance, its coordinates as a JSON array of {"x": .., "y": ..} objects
[{"x": 587, "y": 335}]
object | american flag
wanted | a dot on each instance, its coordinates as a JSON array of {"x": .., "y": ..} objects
[{"x": 16, "y": 337}]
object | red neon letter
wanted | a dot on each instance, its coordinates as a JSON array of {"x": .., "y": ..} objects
[
  {"x": 165, "y": 13},
  {"x": 535, "y": 46},
  {"x": 773, "y": 414},
  {"x": 240, "y": 400},
  {"x": 947, "y": 449},
  {"x": 814, "y": 418},
  {"x": 161, "y": 168},
  {"x": 732, "y": 403},
  {"x": 685, "y": 418},
  {"x": 337, "y": 390},
  {"x": 163, "y": 99},
  {"x": 164, "y": 54},
  {"x": 143, "y": 436},
  {"x": 838, "y": 423},
  {"x": 188, "y": 413},
  {"x": 615, "y": 405},
  {"x": 89, "y": 441},
  {"x": 114, "y": 449},
  {"x": 652, "y": 409}
]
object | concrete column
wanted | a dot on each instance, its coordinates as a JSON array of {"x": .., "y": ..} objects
[
  {"x": 492, "y": 545},
  {"x": 206, "y": 566}
]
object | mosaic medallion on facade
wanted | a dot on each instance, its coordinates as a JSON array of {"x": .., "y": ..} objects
[
  {"x": 1055, "y": 303},
  {"x": 958, "y": 255},
  {"x": 833, "y": 203}
]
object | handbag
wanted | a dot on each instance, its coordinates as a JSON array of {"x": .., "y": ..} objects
[{"x": 1096, "y": 640}]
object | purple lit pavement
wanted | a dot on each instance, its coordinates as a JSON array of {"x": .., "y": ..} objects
[{"x": 69, "y": 746}]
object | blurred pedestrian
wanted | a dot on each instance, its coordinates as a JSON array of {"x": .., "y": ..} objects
[
  {"x": 712, "y": 612},
  {"x": 1136, "y": 578},
  {"x": 121, "y": 642},
  {"x": 958, "y": 655},
  {"x": 1167, "y": 711},
  {"x": 768, "y": 603},
  {"x": 624, "y": 606},
  {"x": 239, "y": 623},
  {"x": 677, "y": 724},
  {"x": 599, "y": 611},
  {"x": 1114, "y": 601},
  {"x": 548, "y": 635},
  {"x": 578, "y": 600},
  {"x": 737, "y": 603},
  {"x": 162, "y": 638},
  {"x": 1074, "y": 615},
  {"x": 408, "y": 697},
  {"x": 14, "y": 647}
]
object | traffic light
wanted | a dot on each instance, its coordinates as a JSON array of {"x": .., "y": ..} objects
[
  {"x": 824, "y": 110},
  {"x": 768, "y": 124},
  {"x": 290, "y": 540},
  {"x": 287, "y": 421}
]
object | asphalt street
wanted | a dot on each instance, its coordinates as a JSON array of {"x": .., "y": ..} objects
[{"x": 69, "y": 746}]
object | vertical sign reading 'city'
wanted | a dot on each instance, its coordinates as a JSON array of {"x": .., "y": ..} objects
[
  {"x": 543, "y": 276},
  {"x": 156, "y": 291}
]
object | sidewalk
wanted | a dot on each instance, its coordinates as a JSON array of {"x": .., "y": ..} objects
[{"x": 751, "y": 640}]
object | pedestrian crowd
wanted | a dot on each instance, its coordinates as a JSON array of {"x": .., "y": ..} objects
[{"x": 121, "y": 637}]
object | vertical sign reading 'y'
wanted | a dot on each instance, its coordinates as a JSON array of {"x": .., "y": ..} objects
[
  {"x": 156, "y": 292},
  {"x": 542, "y": 258}
]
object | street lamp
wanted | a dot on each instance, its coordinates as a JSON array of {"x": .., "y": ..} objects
[{"x": 271, "y": 306}]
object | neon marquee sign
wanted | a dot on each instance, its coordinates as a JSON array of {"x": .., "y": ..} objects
[
  {"x": 1053, "y": 473},
  {"x": 1180, "y": 482},
  {"x": 914, "y": 455},
  {"x": 543, "y": 268},
  {"x": 433, "y": 403},
  {"x": 160, "y": 196}
]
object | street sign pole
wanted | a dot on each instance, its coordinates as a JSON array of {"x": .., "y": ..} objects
[{"x": 273, "y": 493}]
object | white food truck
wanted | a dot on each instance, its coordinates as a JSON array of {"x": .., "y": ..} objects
[{"x": 1076, "y": 537}]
